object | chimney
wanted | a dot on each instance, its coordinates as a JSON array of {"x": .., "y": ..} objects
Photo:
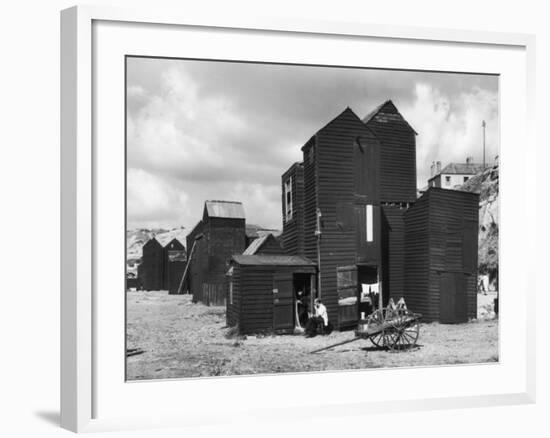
[
  {"x": 469, "y": 160},
  {"x": 438, "y": 167}
]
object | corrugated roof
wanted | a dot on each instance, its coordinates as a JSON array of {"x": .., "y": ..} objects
[
  {"x": 272, "y": 260},
  {"x": 225, "y": 209},
  {"x": 253, "y": 231},
  {"x": 257, "y": 244}
]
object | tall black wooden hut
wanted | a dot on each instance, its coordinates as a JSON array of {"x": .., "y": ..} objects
[
  {"x": 441, "y": 244},
  {"x": 262, "y": 291},
  {"x": 397, "y": 188},
  {"x": 175, "y": 258},
  {"x": 151, "y": 268},
  {"x": 219, "y": 235},
  {"x": 342, "y": 221}
]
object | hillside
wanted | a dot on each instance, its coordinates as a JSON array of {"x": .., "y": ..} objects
[
  {"x": 486, "y": 184},
  {"x": 135, "y": 239}
]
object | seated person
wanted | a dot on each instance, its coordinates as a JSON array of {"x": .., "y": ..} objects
[{"x": 319, "y": 322}]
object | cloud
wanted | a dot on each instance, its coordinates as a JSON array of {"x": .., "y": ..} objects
[
  {"x": 222, "y": 130},
  {"x": 153, "y": 201},
  {"x": 450, "y": 128}
]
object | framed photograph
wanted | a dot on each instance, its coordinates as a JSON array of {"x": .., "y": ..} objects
[{"x": 265, "y": 210}]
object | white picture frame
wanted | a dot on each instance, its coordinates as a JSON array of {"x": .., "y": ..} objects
[{"x": 84, "y": 371}]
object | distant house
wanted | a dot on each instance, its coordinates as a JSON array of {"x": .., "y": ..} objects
[
  {"x": 453, "y": 174},
  {"x": 219, "y": 235}
]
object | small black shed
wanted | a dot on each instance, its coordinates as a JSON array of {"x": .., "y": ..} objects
[
  {"x": 441, "y": 244},
  {"x": 262, "y": 291},
  {"x": 151, "y": 268},
  {"x": 175, "y": 258},
  {"x": 222, "y": 234}
]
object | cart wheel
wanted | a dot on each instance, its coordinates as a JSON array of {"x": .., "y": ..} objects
[
  {"x": 378, "y": 317},
  {"x": 405, "y": 331}
]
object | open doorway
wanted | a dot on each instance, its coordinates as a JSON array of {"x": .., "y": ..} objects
[
  {"x": 303, "y": 298},
  {"x": 368, "y": 288}
]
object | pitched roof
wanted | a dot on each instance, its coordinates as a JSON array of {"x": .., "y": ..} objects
[
  {"x": 258, "y": 243},
  {"x": 152, "y": 241},
  {"x": 346, "y": 111},
  {"x": 224, "y": 209},
  {"x": 165, "y": 241},
  {"x": 382, "y": 112},
  {"x": 272, "y": 260},
  {"x": 461, "y": 168}
]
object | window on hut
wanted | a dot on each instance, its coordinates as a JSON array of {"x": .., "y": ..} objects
[
  {"x": 288, "y": 199},
  {"x": 369, "y": 223},
  {"x": 466, "y": 178},
  {"x": 448, "y": 180}
]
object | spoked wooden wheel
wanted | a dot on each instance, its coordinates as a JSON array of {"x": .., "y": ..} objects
[
  {"x": 404, "y": 331},
  {"x": 378, "y": 317}
]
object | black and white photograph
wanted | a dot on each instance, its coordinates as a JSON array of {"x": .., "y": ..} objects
[{"x": 286, "y": 218}]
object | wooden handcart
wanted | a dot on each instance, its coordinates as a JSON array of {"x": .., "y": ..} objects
[{"x": 393, "y": 327}]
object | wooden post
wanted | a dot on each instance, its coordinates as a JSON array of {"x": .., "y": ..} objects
[
  {"x": 200, "y": 236},
  {"x": 318, "y": 234}
]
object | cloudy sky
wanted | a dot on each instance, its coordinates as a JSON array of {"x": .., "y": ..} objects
[{"x": 201, "y": 130}]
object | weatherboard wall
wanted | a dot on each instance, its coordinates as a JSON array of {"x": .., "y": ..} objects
[
  {"x": 394, "y": 250},
  {"x": 250, "y": 304},
  {"x": 441, "y": 255},
  {"x": 398, "y": 154},
  {"x": 222, "y": 238},
  {"x": 331, "y": 185}
]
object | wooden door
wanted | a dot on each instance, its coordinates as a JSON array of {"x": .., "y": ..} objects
[
  {"x": 348, "y": 294},
  {"x": 283, "y": 302},
  {"x": 452, "y": 298}
]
